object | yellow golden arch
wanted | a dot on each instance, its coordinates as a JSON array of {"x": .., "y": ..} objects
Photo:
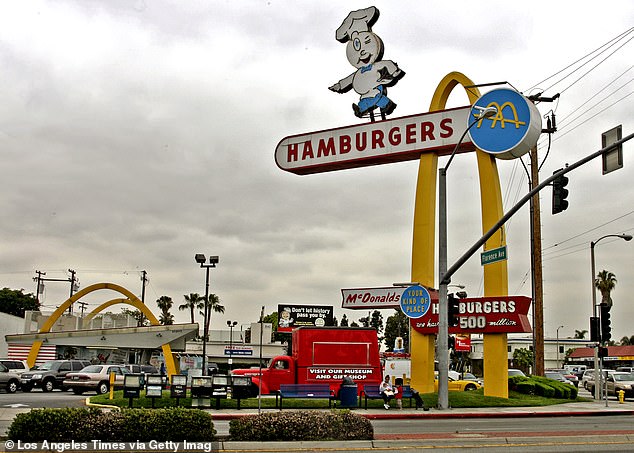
[
  {"x": 129, "y": 299},
  {"x": 423, "y": 256}
]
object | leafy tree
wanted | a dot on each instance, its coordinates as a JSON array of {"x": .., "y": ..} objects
[
  {"x": 15, "y": 302},
  {"x": 344, "y": 321},
  {"x": 627, "y": 341},
  {"x": 523, "y": 359},
  {"x": 354, "y": 324},
  {"x": 397, "y": 325},
  {"x": 165, "y": 304},
  {"x": 580, "y": 334},
  {"x": 138, "y": 315},
  {"x": 192, "y": 302},
  {"x": 605, "y": 283},
  {"x": 213, "y": 306}
]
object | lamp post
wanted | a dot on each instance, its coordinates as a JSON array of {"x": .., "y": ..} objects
[
  {"x": 443, "y": 327},
  {"x": 558, "y": 345},
  {"x": 231, "y": 325},
  {"x": 213, "y": 260},
  {"x": 626, "y": 237}
]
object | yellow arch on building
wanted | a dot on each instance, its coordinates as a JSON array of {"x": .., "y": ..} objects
[
  {"x": 130, "y": 299},
  {"x": 423, "y": 255}
]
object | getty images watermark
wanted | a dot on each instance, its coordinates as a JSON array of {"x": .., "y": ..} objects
[{"x": 97, "y": 445}]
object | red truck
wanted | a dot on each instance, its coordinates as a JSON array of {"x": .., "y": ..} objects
[{"x": 323, "y": 355}]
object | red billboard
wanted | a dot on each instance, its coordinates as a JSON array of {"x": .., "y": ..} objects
[{"x": 502, "y": 314}]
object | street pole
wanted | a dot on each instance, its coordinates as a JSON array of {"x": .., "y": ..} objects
[
  {"x": 558, "y": 345},
  {"x": 538, "y": 292},
  {"x": 205, "y": 322},
  {"x": 598, "y": 365}
]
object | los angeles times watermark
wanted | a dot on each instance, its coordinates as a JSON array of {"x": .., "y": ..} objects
[{"x": 98, "y": 445}]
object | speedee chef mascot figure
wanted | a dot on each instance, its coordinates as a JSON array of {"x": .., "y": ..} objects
[{"x": 364, "y": 51}]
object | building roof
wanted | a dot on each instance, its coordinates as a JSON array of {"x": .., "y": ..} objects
[{"x": 622, "y": 352}]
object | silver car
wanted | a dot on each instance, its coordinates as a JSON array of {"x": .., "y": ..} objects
[{"x": 8, "y": 380}]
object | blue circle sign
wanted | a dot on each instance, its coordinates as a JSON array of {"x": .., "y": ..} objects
[
  {"x": 513, "y": 131},
  {"x": 415, "y": 301}
]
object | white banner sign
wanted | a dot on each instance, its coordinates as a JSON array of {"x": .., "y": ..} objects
[{"x": 374, "y": 143}]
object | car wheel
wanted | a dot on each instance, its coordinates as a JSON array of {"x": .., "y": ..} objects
[
  {"x": 469, "y": 387},
  {"x": 78, "y": 391},
  {"x": 48, "y": 385},
  {"x": 102, "y": 388},
  {"x": 12, "y": 386}
]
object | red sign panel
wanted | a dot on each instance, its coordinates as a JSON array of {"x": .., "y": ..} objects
[
  {"x": 463, "y": 343},
  {"x": 380, "y": 142},
  {"x": 503, "y": 314}
]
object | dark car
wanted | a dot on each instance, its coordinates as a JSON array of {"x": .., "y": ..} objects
[{"x": 50, "y": 375}]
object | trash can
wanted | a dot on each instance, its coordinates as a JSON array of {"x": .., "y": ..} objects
[{"x": 348, "y": 393}]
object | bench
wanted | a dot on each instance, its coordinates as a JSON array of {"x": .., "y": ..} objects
[
  {"x": 371, "y": 392},
  {"x": 320, "y": 391}
]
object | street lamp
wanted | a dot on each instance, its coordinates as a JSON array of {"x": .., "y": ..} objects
[
  {"x": 558, "y": 345},
  {"x": 213, "y": 260},
  {"x": 626, "y": 237},
  {"x": 443, "y": 328},
  {"x": 231, "y": 325}
]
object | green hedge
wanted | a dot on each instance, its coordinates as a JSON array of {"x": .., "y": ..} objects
[
  {"x": 128, "y": 425},
  {"x": 537, "y": 385},
  {"x": 301, "y": 425}
]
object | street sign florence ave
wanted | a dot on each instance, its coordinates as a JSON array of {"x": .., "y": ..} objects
[{"x": 379, "y": 142}]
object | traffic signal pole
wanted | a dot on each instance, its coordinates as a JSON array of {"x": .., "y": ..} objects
[{"x": 446, "y": 277}]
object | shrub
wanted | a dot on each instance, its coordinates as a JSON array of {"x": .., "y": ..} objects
[
  {"x": 527, "y": 388},
  {"x": 81, "y": 424},
  {"x": 301, "y": 425}
]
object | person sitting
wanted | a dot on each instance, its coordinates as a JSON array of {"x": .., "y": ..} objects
[{"x": 387, "y": 392}]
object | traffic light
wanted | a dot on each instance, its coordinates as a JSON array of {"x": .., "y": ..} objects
[
  {"x": 451, "y": 342},
  {"x": 603, "y": 352},
  {"x": 606, "y": 327},
  {"x": 454, "y": 310},
  {"x": 560, "y": 193},
  {"x": 595, "y": 332}
]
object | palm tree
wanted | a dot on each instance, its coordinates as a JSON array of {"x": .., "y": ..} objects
[
  {"x": 192, "y": 302},
  {"x": 580, "y": 334},
  {"x": 165, "y": 304},
  {"x": 605, "y": 282},
  {"x": 213, "y": 305}
]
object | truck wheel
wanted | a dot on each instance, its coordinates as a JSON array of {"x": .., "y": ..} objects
[
  {"x": 469, "y": 387},
  {"x": 12, "y": 386},
  {"x": 102, "y": 388},
  {"x": 48, "y": 385}
]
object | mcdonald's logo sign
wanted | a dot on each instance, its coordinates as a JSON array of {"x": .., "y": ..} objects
[{"x": 513, "y": 131}]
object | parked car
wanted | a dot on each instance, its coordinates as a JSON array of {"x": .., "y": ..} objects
[
  {"x": 8, "y": 379},
  {"x": 621, "y": 381},
  {"x": 626, "y": 369},
  {"x": 574, "y": 380},
  {"x": 50, "y": 375},
  {"x": 588, "y": 375},
  {"x": 557, "y": 376},
  {"x": 514, "y": 372},
  {"x": 458, "y": 385},
  {"x": 143, "y": 370},
  {"x": 14, "y": 365},
  {"x": 590, "y": 381},
  {"x": 465, "y": 377},
  {"x": 95, "y": 378}
]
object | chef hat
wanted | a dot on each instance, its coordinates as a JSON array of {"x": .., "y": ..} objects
[{"x": 360, "y": 20}]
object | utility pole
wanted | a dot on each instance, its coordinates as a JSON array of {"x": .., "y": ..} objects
[
  {"x": 40, "y": 285},
  {"x": 538, "y": 293},
  {"x": 72, "y": 287},
  {"x": 143, "y": 282}
]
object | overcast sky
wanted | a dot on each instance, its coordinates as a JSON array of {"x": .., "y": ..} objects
[{"x": 135, "y": 134}]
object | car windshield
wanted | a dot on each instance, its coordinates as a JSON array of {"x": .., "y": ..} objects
[
  {"x": 624, "y": 377},
  {"x": 92, "y": 369},
  {"x": 554, "y": 376},
  {"x": 47, "y": 366}
]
